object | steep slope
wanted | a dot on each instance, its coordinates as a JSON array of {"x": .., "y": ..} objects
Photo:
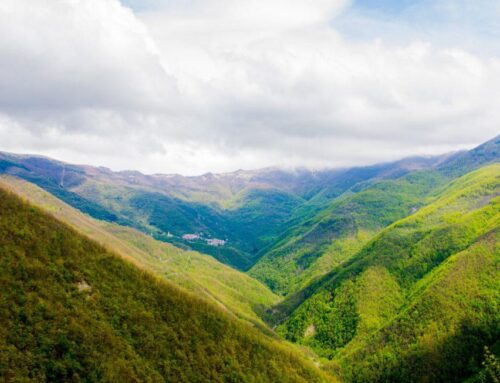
[
  {"x": 250, "y": 224},
  {"x": 441, "y": 333},
  {"x": 463, "y": 162},
  {"x": 72, "y": 311},
  {"x": 388, "y": 275},
  {"x": 200, "y": 273}
]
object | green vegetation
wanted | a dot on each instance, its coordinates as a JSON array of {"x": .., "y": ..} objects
[
  {"x": 50, "y": 180},
  {"x": 461, "y": 163},
  {"x": 233, "y": 290},
  {"x": 72, "y": 311},
  {"x": 338, "y": 232},
  {"x": 335, "y": 223},
  {"x": 421, "y": 299},
  {"x": 252, "y": 220},
  {"x": 252, "y": 224},
  {"x": 491, "y": 365},
  {"x": 389, "y": 273},
  {"x": 441, "y": 332}
]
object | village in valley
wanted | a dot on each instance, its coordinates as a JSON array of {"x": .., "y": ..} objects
[{"x": 210, "y": 241}]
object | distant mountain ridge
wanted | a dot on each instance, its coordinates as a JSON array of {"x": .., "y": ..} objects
[
  {"x": 247, "y": 209},
  {"x": 301, "y": 181}
]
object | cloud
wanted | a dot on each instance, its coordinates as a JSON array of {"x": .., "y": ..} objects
[
  {"x": 215, "y": 85},
  {"x": 66, "y": 55}
]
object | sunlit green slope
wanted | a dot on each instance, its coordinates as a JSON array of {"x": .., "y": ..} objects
[
  {"x": 231, "y": 289},
  {"x": 70, "y": 310},
  {"x": 394, "y": 271},
  {"x": 440, "y": 333}
]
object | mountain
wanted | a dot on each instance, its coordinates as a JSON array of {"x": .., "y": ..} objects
[
  {"x": 384, "y": 273},
  {"x": 462, "y": 162},
  {"x": 245, "y": 212},
  {"x": 315, "y": 245},
  {"x": 234, "y": 291},
  {"x": 419, "y": 301},
  {"x": 442, "y": 332},
  {"x": 71, "y": 310}
]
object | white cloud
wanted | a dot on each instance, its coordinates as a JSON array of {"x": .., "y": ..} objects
[
  {"x": 216, "y": 85},
  {"x": 69, "y": 54}
]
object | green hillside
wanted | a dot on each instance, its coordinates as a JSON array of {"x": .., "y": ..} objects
[
  {"x": 388, "y": 273},
  {"x": 440, "y": 334},
  {"x": 316, "y": 244},
  {"x": 73, "y": 311},
  {"x": 202, "y": 274},
  {"x": 375, "y": 290},
  {"x": 315, "y": 247}
]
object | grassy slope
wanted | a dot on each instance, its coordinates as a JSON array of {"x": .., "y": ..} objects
[
  {"x": 72, "y": 311},
  {"x": 338, "y": 232},
  {"x": 351, "y": 304},
  {"x": 197, "y": 272}
]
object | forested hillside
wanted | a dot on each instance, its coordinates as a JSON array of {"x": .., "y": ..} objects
[
  {"x": 444, "y": 328},
  {"x": 238, "y": 191},
  {"x": 314, "y": 245},
  {"x": 199, "y": 273},
  {"x": 387, "y": 273},
  {"x": 426, "y": 286},
  {"x": 73, "y": 311}
]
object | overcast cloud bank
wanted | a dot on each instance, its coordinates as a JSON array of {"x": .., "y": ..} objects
[{"x": 196, "y": 86}]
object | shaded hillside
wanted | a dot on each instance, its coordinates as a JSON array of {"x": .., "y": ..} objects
[
  {"x": 57, "y": 178},
  {"x": 380, "y": 284},
  {"x": 199, "y": 273},
  {"x": 72, "y": 311},
  {"x": 464, "y": 162}
]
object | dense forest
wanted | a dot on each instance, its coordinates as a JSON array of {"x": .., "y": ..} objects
[
  {"x": 426, "y": 286},
  {"x": 73, "y": 311}
]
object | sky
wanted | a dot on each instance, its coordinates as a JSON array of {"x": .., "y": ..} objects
[{"x": 195, "y": 86}]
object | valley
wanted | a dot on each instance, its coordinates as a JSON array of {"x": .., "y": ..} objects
[{"x": 384, "y": 273}]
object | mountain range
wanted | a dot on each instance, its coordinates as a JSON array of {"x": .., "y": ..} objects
[{"x": 382, "y": 273}]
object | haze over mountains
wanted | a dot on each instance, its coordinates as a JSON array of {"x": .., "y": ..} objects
[{"x": 384, "y": 273}]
